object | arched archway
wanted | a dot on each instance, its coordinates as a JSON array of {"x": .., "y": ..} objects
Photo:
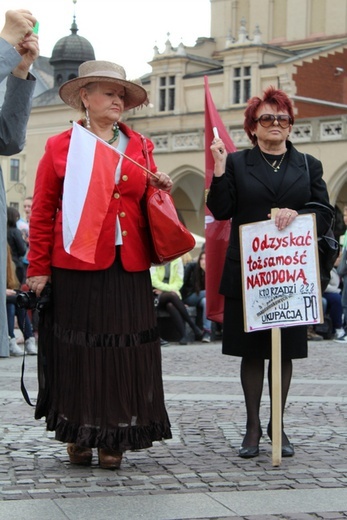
[
  {"x": 337, "y": 189},
  {"x": 188, "y": 194}
]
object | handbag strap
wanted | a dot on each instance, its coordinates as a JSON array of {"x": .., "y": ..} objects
[
  {"x": 146, "y": 155},
  {"x": 306, "y": 164}
]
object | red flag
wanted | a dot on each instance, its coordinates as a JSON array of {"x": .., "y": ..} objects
[
  {"x": 88, "y": 187},
  {"x": 216, "y": 232}
]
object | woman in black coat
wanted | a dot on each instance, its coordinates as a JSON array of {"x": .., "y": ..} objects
[
  {"x": 245, "y": 187},
  {"x": 16, "y": 242}
]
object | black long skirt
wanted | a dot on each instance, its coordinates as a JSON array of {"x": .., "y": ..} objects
[{"x": 99, "y": 363}]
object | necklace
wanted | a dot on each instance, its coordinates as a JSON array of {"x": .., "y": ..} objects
[
  {"x": 115, "y": 129},
  {"x": 274, "y": 164}
]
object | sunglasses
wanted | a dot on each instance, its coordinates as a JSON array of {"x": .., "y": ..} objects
[{"x": 267, "y": 120}]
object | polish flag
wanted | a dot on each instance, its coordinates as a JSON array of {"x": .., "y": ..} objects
[
  {"x": 216, "y": 232},
  {"x": 88, "y": 188}
]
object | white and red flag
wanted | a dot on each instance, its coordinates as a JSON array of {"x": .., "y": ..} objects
[
  {"x": 88, "y": 187},
  {"x": 216, "y": 232}
]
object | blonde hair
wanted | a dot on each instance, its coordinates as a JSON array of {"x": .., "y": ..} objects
[
  {"x": 186, "y": 258},
  {"x": 12, "y": 280}
]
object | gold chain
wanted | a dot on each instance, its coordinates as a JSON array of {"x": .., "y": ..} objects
[{"x": 275, "y": 168}]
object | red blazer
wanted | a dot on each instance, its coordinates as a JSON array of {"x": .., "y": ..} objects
[{"x": 46, "y": 240}]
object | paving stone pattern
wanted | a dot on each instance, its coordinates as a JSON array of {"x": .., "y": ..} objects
[{"x": 205, "y": 405}]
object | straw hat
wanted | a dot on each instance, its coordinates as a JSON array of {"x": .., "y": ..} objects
[{"x": 94, "y": 70}]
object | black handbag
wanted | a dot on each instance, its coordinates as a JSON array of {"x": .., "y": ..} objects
[{"x": 328, "y": 246}]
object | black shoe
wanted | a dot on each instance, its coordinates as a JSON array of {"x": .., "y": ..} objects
[
  {"x": 183, "y": 341},
  {"x": 198, "y": 334},
  {"x": 249, "y": 452},
  {"x": 287, "y": 447},
  {"x": 164, "y": 343},
  {"x": 288, "y": 450}
]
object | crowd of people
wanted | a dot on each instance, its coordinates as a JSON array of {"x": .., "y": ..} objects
[
  {"x": 334, "y": 298},
  {"x": 17, "y": 250},
  {"x": 178, "y": 285}
]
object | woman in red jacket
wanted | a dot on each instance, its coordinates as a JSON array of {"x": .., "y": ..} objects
[{"x": 100, "y": 381}]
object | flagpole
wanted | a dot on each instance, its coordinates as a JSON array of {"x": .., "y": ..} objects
[
  {"x": 117, "y": 151},
  {"x": 137, "y": 164}
]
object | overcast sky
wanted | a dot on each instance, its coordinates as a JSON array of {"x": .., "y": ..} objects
[{"x": 122, "y": 31}]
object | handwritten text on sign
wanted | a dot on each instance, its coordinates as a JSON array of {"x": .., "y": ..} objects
[{"x": 280, "y": 274}]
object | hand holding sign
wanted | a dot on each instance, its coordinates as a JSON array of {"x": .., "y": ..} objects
[{"x": 280, "y": 274}]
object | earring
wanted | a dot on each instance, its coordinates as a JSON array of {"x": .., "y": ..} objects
[{"x": 87, "y": 119}]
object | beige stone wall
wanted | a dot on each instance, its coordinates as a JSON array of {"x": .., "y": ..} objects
[
  {"x": 279, "y": 20},
  {"x": 179, "y": 135}
]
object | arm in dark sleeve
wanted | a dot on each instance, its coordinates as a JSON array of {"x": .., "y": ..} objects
[
  {"x": 19, "y": 243},
  {"x": 188, "y": 280},
  {"x": 16, "y": 107},
  {"x": 15, "y": 113}
]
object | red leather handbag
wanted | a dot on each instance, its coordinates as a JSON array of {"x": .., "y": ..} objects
[{"x": 168, "y": 236}]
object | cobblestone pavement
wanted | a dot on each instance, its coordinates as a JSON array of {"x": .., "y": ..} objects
[{"x": 206, "y": 409}]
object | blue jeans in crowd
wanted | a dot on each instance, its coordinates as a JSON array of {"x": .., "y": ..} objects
[
  {"x": 334, "y": 308},
  {"x": 199, "y": 301},
  {"x": 344, "y": 299},
  {"x": 22, "y": 319}
]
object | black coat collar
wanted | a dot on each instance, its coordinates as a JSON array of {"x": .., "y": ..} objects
[{"x": 296, "y": 167}]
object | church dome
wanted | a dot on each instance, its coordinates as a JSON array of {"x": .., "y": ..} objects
[
  {"x": 68, "y": 54},
  {"x": 72, "y": 48}
]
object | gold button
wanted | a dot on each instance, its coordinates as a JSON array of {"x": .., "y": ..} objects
[
  {"x": 124, "y": 233},
  {"x": 124, "y": 177},
  {"x": 116, "y": 195},
  {"x": 122, "y": 214}
]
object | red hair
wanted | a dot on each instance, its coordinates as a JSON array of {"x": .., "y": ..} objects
[{"x": 271, "y": 96}]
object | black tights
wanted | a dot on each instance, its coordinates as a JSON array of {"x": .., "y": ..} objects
[
  {"x": 252, "y": 379},
  {"x": 172, "y": 303}
]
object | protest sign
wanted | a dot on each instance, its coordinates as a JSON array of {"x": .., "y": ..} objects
[{"x": 280, "y": 274}]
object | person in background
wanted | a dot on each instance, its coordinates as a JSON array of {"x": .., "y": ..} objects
[
  {"x": 186, "y": 259},
  {"x": 23, "y": 226},
  {"x": 312, "y": 334},
  {"x": 13, "y": 311},
  {"x": 342, "y": 270},
  {"x": 16, "y": 242},
  {"x": 194, "y": 293},
  {"x": 167, "y": 281},
  {"x": 23, "y": 222},
  {"x": 18, "y": 50},
  {"x": 100, "y": 376},
  {"x": 245, "y": 187},
  {"x": 332, "y": 295}
]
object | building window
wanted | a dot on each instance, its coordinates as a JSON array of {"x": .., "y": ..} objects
[
  {"x": 241, "y": 85},
  {"x": 14, "y": 170},
  {"x": 166, "y": 93}
]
